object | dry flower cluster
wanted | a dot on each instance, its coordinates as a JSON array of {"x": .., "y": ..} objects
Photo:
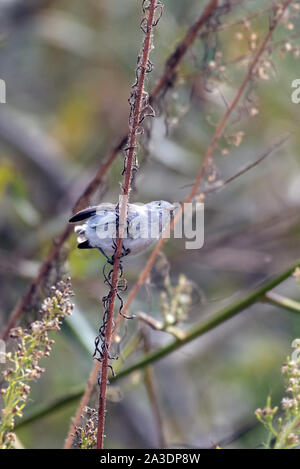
[
  {"x": 284, "y": 431},
  {"x": 85, "y": 437},
  {"x": 23, "y": 362}
]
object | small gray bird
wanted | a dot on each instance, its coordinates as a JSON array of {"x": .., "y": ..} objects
[{"x": 145, "y": 224}]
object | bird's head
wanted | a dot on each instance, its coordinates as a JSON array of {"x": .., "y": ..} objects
[{"x": 161, "y": 205}]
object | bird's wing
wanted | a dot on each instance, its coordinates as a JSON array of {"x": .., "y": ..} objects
[
  {"x": 83, "y": 214},
  {"x": 137, "y": 221},
  {"x": 106, "y": 213},
  {"x": 108, "y": 218},
  {"x": 102, "y": 218},
  {"x": 91, "y": 211}
]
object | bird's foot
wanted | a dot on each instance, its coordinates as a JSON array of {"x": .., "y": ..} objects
[
  {"x": 125, "y": 252},
  {"x": 109, "y": 260}
]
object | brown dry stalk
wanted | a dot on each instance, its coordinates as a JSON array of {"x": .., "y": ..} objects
[
  {"x": 132, "y": 141},
  {"x": 162, "y": 86},
  {"x": 150, "y": 385},
  {"x": 169, "y": 75},
  {"x": 83, "y": 403}
]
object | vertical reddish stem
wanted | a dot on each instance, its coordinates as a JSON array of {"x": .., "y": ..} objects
[{"x": 134, "y": 125}]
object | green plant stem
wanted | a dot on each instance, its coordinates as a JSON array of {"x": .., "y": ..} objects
[
  {"x": 42, "y": 410},
  {"x": 212, "y": 322},
  {"x": 282, "y": 301}
]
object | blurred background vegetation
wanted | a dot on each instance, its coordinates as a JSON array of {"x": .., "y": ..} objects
[{"x": 68, "y": 68}]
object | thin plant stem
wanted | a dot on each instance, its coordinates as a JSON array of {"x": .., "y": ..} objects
[
  {"x": 150, "y": 384},
  {"x": 41, "y": 410},
  {"x": 220, "y": 184},
  {"x": 83, "y": 403},
  {"x": 282, "y": 302},
  {"x": 169, "y": 74},
  {"x": 132, "y": 140}
]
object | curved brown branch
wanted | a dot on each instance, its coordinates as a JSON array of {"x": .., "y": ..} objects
[
  {"x": 83, "y": 403},
  {"x": 162, "y": 86},
  {"x": 169, "y": 74}
]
